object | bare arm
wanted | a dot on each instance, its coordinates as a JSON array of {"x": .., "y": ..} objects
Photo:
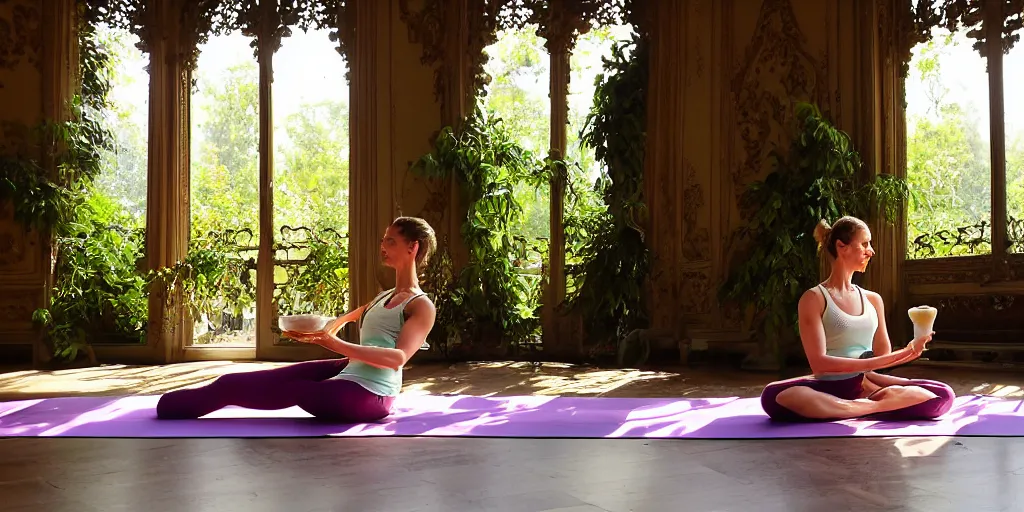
[
  {"x": 419, "y": 313},
  {"x": 880, "y": 345},
  {"x": 352, "y": 316},
  {"x": 812, "y": 336}
]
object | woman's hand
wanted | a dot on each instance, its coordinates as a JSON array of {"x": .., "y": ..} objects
[
  {"x": 917, "y": 345},
  {"x": 313, "y": 338}
]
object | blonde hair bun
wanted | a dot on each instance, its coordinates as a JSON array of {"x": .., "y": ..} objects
[{"x": 821, "y": 233}]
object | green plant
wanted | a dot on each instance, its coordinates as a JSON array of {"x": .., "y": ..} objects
[
  {"x": 492, "y": 299},
  {"x": 320, "y": 284},
  {"x": 820, "y": 178},
  {"x": 97, "y": 285},
  {"x": 606, "y": 240},
  {"x": 438, "y": 280},
  {"x": 90, "y": 204}
]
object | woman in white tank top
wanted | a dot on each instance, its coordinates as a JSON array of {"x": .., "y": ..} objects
[{"x": 842, "y": 328}]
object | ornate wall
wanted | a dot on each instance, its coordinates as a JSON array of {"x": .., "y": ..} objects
[
  {"x": 29, "y": 70},
  {"x": 725, "y": 77},
  {"x": 402, "y": 116}
]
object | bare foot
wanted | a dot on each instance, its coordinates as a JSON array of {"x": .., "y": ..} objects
[
  {"x": 892, "y": 398},
  {"x": 812, "y": 404}
]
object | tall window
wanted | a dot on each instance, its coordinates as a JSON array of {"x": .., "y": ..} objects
[
  {"x": 959, "y": 204},
  {"x": 311, "y": 175},
  {"x": 225, "y": 185},
  {"x": 519, "y": 93},
  {"x": 310, "y": 154},
  {"x": 520, "y": 71}
]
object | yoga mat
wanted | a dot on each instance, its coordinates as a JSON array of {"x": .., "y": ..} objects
[{"x": 469, "y": 416}]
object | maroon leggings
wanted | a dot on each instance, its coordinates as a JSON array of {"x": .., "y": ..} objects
[
  {"x": 307, "y": 385},
  {"x": 850, "y": 389}
]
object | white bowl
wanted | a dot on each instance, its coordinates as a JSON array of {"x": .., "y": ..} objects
[{"x": 303, "y": 323}]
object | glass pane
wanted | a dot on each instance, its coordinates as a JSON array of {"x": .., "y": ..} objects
[
  {"x": 520, "y": 71},
  {"x": 225, "y": 189},
  {"x": 108, "y": 262},
  {"x": 583, "y": 198},
  {"x": 1013, "y": 107},
  {"x": 948, "y": 149},
  {"x": 311, "y": 175}
]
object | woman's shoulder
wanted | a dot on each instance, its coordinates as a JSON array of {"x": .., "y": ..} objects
[
  {"x": 420, "y": 304},
  {"x": 812, "y": 298},
  {"x": 872, "y": 297},
  {"x": 416, "y": 296},
  {"x": 813, "y": 292}
]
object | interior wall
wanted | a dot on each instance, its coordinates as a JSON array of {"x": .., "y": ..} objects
[
  {"x": 23, "y": 264},
  {"x": 395, "y": 118},
  {"x": 741, "y": 65},
  {"x": 728, "y": 79}
]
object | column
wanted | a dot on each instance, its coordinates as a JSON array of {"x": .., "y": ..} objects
[
  {"x": 371, "y": 170},
  {"x": 167, "y": 209}
]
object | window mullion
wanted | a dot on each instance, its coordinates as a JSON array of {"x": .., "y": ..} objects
[
  {"x": 267, "y": 42},
  {"x": 994, "y": 54}
]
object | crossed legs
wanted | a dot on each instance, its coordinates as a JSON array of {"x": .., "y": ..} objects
[
  {"x": 308, "y": 385},
  {"x": 873, "y": 394}
]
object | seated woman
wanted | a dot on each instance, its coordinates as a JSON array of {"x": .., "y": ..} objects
[
  {"x": 842, "y": 328},
  {"x": 362, "y": 386}
]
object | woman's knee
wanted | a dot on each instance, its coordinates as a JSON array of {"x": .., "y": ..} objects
[
  {"x": 943, "y": 401},
  {"x": 927, "y": 400},
  {"x": 787, "y": 404},
  {"x": 346, "y": 415}
]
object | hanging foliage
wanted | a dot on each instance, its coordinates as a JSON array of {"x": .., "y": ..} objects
[
  {"x": 820, "y": 178},
  {"x": 492, "y": 298},
  {"x": 609, "y": 241}
]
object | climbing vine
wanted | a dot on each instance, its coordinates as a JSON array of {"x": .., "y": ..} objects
[
  {"x": 606, "y": 241},
  {"x": 820, "y": 178},
  {"x": 100, "y": 280},
  {"x": 95, "y": 279},
  {"x": 491, "y": 298}
]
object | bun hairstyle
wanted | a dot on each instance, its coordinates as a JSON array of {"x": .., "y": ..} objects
[
  {"x": 415, "y": 229},
  {"x": 843, "y": 230}
]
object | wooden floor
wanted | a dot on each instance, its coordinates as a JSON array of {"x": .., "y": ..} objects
[
  {"x": 461, "y": 475},
  {"x": 408, "y": 474}
]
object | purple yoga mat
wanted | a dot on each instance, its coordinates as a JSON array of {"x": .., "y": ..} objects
[{"x": 469, "y": 416}]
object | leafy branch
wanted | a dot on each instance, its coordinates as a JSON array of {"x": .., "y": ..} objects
[
  {"x": 606, "y": 240},
  {"x": 492, "y": 298},
  {"x": 821, "y": 177}
]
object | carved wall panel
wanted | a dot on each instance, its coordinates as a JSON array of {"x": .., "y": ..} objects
[
  {"x": 741, "y": 65},
  {"x": 22, "y": 266},
  {"x": 20, "y": 51},
  {"x": 961, "y": 313},
  {"x": 702, "y": 144},
  {"x": 16, "y": 307},
  {"x": 20, "y": 260},
  {"x": 779, "y": 55}
]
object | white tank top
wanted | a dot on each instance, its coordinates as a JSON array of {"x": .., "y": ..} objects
[{"x": 847, "y": 335}]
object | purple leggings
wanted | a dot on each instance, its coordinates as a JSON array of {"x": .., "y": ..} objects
[
  {"x": 851, "y": 389},
  {"x": 307, "y": 385}
]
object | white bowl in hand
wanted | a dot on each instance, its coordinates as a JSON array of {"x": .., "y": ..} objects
[{"x": 303, "y": 323}]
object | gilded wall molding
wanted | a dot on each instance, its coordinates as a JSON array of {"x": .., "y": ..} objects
[
  {"x": 916, "y": 23},
  {"x": 20, "y": 34},
  {"x": 426, "y": 27},
  {"x": 559, "y": 22},
  {"x": 135, "y": 16},
  {"x": 197, "y": 20},
  {"x": 776, "y": 54}
]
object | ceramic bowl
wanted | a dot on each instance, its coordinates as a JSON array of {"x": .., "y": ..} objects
[{"x": 303, "y": 323}]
